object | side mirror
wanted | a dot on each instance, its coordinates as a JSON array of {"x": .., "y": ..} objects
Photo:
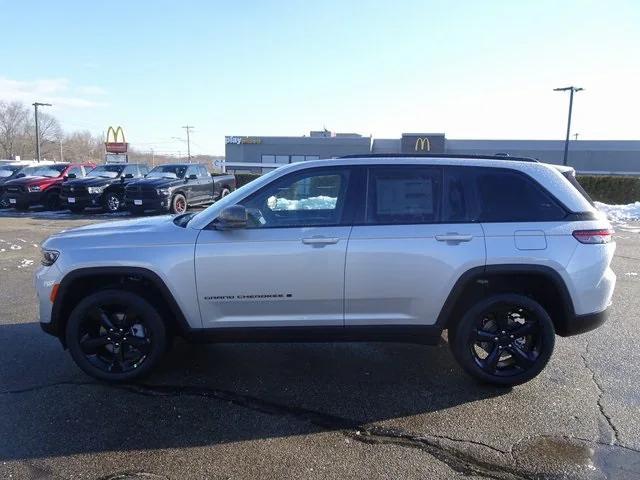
[
  {"x": 232, "y": 217},
  {"x": 192, "y": 177},
  {"x": 128, "y": 175}
]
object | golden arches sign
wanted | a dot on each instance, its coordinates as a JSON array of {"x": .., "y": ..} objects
[
  {"x": 423, "y": 144},
  {"x": 115, "y": 132}
]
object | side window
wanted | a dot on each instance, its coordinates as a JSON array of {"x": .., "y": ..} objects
[
  {"x": 130, "y": 170},
  {"x": 403, "y": 195},
  {"x": 143, "y": 170},
  {"x": 312, "y": 198},
  {"x": 203, "y": 172},
  {"x": 192, "y": 170},
  {"x": 459, "y": 196},
  {"x": 507, "y": 196},
  {"x": 76, "y": 170}
]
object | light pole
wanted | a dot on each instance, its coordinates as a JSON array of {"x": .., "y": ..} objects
[
  {"x": 35, "y": 106},
  {"x": 188, "y": 129},
  {"x": 571, "y": 90}
]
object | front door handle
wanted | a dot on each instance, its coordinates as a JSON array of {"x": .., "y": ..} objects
[
  {"x": 454, "y": 237},
  {"x": 320, "y": 240}
]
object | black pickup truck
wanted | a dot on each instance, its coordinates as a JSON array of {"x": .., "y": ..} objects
[
  {"x": 175, "y": 187},
  {"x": 102, "y": 187}
]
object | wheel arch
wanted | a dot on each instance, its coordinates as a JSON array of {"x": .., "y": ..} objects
[
  {"x": 79, "y": 283},
  {"x": 539, "y": 282}
]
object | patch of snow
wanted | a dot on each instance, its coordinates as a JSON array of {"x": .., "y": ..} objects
[
  {"x": 631, "y": 274},
  {"x": 15, "y": 247},
  {"x": 25, "y": 263},
  {"x": 321, "y": 202},
  {"x": 620, "y": 213}
]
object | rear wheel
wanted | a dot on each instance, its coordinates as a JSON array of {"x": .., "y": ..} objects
[
  {"x": 178, "y": 203},
  {"x": 224, "y": 192},
  {"x": 504, "y": 340},
  {"x": 115, "y": 335}
]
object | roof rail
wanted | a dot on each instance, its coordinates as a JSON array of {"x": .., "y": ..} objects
[{"x": 441, "y": 155}]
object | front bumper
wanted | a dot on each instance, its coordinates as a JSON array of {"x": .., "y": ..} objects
[
  {"x": 44, "y": 280},
  {"x": 158, "y": 203},
  {"x": 583, "y": 323},
  {"x": 24, "y": 198},
  {"x": 84, "y": 201}
]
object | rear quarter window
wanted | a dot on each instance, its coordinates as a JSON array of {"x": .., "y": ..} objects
[{"x": 508, "y": 196}]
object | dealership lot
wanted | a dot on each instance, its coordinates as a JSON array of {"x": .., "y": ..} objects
[{"x": 311, "y": 410}]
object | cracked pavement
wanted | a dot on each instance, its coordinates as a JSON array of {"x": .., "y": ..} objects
[{"x": 312, "y": 410}]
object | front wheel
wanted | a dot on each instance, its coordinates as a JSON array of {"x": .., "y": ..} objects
[
  {"x": 112, "y": 202},
  {"x": 178, "y": 204},
  {"x": 116, "y": 336},
  {"x": 504, "y": 340},
  {"x": 51, "y": 201}
]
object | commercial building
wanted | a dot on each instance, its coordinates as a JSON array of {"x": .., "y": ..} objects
[{"x": 259, "y": 154}]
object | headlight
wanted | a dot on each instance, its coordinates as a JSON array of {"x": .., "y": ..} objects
[
  {"x": 49, "y": 257},
  {"x": 163, "y": 191},
  {"x": 95, "y": 189},
  {"x": 34, "y": 188}
]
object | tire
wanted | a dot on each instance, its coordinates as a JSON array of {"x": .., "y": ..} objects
[
  {"x": 487, "y": 345},
  {"x": 51, "y": 201},
  {"x": 112, "y": 202},
  {"x": 116, "y": 336},
  {"x": 225, "y": 191},
  {"x": 76, "y": 209},
  {"x": 23, "y": 207},
  {"x": 178, "y": 204}
]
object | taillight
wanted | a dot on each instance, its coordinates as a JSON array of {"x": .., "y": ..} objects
[{"x": 593, "y": 236}]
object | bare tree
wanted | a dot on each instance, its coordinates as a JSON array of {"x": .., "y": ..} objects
[
  {"x": 82, "y": 146},
  {"x": 13, "y": 120}
]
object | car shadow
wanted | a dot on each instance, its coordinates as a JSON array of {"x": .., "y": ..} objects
[{"x": 202, "y": 395}]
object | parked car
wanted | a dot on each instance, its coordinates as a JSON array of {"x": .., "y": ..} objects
[
  {"x": 223, "y": 185},
  {"x": 502, "y": 253},
  {"x": 10, "y": 169},
  {"x": 41, "y": 184},
  {"x": 102, "y": 187},
  {"x": 171, "y": 188}
]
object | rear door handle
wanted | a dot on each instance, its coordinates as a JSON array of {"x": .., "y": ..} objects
[
  {"x": 454, "y": 237},
  {"x": 320, "y": 240}
]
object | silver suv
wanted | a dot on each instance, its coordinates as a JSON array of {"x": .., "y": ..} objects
[{"x": 502, "y": 253}]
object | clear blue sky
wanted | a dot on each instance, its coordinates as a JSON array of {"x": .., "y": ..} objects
[{"x": 471, "y": 69}]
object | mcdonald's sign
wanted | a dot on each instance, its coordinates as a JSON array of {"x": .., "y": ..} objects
[
  {"x": 422, "y": 144},
  {"x": 115, "y": 141}
]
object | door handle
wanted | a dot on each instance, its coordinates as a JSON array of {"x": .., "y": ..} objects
[
  {"x": 454, "y": 237},
  {"x": 320, "y": 240}
]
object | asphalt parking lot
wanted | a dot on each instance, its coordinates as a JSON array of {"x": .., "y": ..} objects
[{"x": 312, "y": 410}]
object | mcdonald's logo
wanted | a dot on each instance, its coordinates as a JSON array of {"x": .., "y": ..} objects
[
  {"x": 423, "y": 144},
  {"x": 115, "y": 142},
  {"x": 115, "y": 132}
]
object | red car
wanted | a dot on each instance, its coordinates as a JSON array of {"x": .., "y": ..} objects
[{"x": 40, "y": 185}]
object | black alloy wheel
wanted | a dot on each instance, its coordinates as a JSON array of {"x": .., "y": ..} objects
[
  {"x": 51, "y": 201},
  {"x": 504, "y": 340},
  {"x": 115, "y": 335},
  {"x": 112, "y": 202}
]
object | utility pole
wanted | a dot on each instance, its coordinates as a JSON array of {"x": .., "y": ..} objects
[
  {"x": 188, "y": 128},
  {"x": 35, "y": 106},
  {"x": 575, "y": 136},
  {"x": 61, "y": 157},
  {"x": 153, "y": 158},
  {"x": 571, "y": 90}
]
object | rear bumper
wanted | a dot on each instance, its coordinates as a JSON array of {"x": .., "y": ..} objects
[{"x": 583, "y": 323}]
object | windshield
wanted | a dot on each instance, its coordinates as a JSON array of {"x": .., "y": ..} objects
[
  {"x": 8, "y": 170},
  {"x": 106, "y": 171},
  {"x": 168, "y": 171},
  {"x": 44, "y": 171}
]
